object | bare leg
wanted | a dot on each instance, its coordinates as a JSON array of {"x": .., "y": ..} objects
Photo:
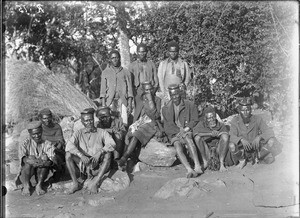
[
  {"x": 119, "y": 147},
  {"x": 42, "y": 173},
  {"x": 26, "y": 174},
  {"x": 238, "y": 155},
  {"x": 70, "y": 159},
  {"x": 193, "y": 151},
  {"x": 179, "y": 150},
  {"x": 93, "y": 185},
  {"x": 222, "y": 150},
  {"x": 203, "y": 150},
  {"x": 129, "y": 149}
]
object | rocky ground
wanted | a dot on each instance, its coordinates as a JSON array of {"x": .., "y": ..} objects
[{"x": 255, "y": 191}]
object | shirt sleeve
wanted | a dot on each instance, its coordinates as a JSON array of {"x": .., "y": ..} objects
[
  {"x": 23, "y": 149},
  {"x": 109, "y": 143},
  {"x": 234, "y": 133},
  {"x": 73, "y": 143},
  {"x": 187, "y": 74},
  {"x": 194, "y": 116},
  {"x": 103, "y": 86},
  {"x": 266, "y": 131},
  {"x": 160, "y": 77},
  {"x": 129, "y": 84},
  {"x": 49, "y": 149},
  {"x": 155, "y": 77}
]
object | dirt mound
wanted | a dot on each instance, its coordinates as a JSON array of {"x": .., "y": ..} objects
[{"x": 31, "y": 87}]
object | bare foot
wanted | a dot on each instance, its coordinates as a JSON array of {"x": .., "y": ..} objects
[
  {"x": 87, "y": 182},
  {"x": 39, "y": 190},
  {"x": 93, "y": 187},
  {"x": 26, "y": 191},
  {"x": 242, "y": 164},
  {"x": 205, "y": 165},
  {"x": 198, "y": 170},
  {"x": 73, "y": 189},
  {"x": 191, "y": 174},
  {"x": 223, "y": 168},
  {"x": 122, "y": 164}
]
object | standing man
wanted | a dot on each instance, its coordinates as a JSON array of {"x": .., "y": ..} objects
[
  {"x": 116, "y": 87},
  {"x": 180, "y": 117},
  {"x": 146, "y": 122},
  {"x": 36, "y": 157},
  {"x": 143, "y": 70},
  {"x": 250, "y": 136},
  {"x": 212, "y": 138},
  {"x": 114, "y": 126},
  {"x": 173, "y": 70},
  {"x": 90, "y": 150}
]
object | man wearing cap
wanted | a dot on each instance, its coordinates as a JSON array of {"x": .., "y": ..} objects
[
  {"x": 146, "y": 122},
  {"x": 180, "y": 117},
  {"x": 90, "y": 149},
  {"x": 114, "y": 126},
  {"x": 249, "y": 134},
  {"x": 143, "y": 70},
  {"x": 36, "y": 155},
  {"x": 173, "y": 70},
  {"x": 212, "y": 138},
  {"x": 116, "y": 87}
]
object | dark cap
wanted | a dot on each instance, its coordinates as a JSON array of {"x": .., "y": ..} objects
[
  {"x": 209, "y": 109},
  {"x": 114, "y": 52},
  {"x": 146, "y": 83},
  {"x": 246, "y": 101},
  {"x": 173, "y": 44},
  {"x": 46, "y": 111},
  {"x": 173, "y": 87},
  {"x": 142, "y": 45},
  {"x": 88, "y": 111},
  {"x": 103, "y": 111},
  {"x": 34, "y": 125}
]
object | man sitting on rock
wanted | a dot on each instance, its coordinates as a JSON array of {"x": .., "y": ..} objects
[
  {"x": 90, "y": 149},
  {"x": 251, "y": 138},
  {"x": 146, "y": 122},
  {"x": 212, "y": 140},
  {"x": 53, "y": 133},
  {"x": 36, "y": 156},
  {"x": 114, "y": 126},
  {"x": 180, "y": 117}
]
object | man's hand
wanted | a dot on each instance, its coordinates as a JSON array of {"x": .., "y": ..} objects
[
  {"x": 247, "y": 146},
  {"x": 256, "y": 141},
  {"x": 85, "y": 159},
  {"x": 215, "y": 133},
  {"x": 95, "y": 159},
  {"x": 186, "y": 129}
]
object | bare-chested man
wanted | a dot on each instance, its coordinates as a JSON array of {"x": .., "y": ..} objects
[{"x": 90, "y": 149}]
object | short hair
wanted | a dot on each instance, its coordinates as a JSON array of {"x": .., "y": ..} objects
[
  {"x": 104, "y": 110},
  {"x": 246, "y": 101},
  {"x": 88, "y": 111},
  {"x": 45, "y": 111},
  {"x": 209, "y": 109},
  {"x": 173, "y": 44},
  {"x": 114, "y": 52},
  {"x": 34, "y": 125},
  {"x": 142, "y": 45}
]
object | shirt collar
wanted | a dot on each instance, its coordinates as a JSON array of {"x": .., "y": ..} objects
[
  {"x": 87, "y": 131},
  {"x": 170, "y": 60}
]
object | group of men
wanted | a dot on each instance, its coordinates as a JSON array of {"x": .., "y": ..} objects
[{"x": 200, "y": 140}]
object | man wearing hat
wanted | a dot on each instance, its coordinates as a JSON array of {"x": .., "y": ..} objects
[
  {"x": 143, "y": 70},
  {"x": 251, "y": 137},
  {"x": 212, "y": 138},
  {"x": 90, "y": 150},
  {"x": 180, "y": 117},
  {"x": 146, "y": 122},
  {"x": 173, "y": 70},
  {"x": 116, "y": 87},
  {"x": 114, "y": 126},
  {"x": 36, "y": 157}
]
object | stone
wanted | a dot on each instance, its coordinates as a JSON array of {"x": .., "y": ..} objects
[
  {"x": 101, "y": 201},
  {"x": 117, "y": 182},
  {"x": 14, "y": 167},
  {"x": 158, "y": 154},
  {"x": 65, "y": 215}
]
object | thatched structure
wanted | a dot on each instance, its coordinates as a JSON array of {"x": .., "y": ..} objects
[{"x": 31, "y": 87}]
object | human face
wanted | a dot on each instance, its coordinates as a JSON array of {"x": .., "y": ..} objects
[
  {"x": 175, "y": 96},
  {"x": 245, "y": 112},
  {"x": 211, "y": 119},
  {"x": 36, "y": 134},
  {"x": 46, "y": 119},
  {"x": 115, "y": 60},
  {"x": 148, "y": 89},
  {"x": 173, "y": 53},
  {"x": 87, "y": 120},
  {"x": 142, "y": 53},
  {"x": 105, "y": 120}
]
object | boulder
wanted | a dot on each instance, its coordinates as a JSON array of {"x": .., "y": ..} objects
[
  {"x": 100, "y": 201},
  {"x": 157, "y": 154},
  {"x": 117, "y": 182}
]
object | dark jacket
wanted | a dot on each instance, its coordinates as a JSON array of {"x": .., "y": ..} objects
[{"x": 153, "y": 115}]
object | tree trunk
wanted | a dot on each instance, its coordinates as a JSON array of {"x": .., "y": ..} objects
[{"x": 124, "y": 48}]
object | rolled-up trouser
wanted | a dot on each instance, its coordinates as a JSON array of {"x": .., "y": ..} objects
[{"x": 120, "y": 108}]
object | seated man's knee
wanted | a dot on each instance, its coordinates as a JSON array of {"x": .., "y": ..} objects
[
  {"x": 68, "y": 156},
  {"x": 197, "y": 138},
  {"x": 271, "y": 141},
  {"x": 225, "y": 137},
  {"x": 107, "y": 156},
  {"x": 232, "y": 146}
]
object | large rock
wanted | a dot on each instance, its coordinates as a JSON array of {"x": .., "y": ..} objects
[
  {"x": 157, "y": 154},
  {"x": 117, "y": 182}
]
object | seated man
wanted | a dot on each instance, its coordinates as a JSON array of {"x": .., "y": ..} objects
[
  {"x": 90, "y": 149},
  {"x": 212, "y": 138},
  {"x": 36, "y": 157},
  {"x": 251, "y": 138},
  {"x": 180, "y": 117},
  {"x": 114, "y": 126},
  {"x": 146, "y": 122},
  {"x": 53, "y": 133}
]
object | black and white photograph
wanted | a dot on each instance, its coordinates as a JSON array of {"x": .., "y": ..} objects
[{"x": 137, "y": 109}]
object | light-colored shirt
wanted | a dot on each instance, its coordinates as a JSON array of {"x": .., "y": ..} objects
[
  {"x": 30, "y": 147},
  {"x": 90, "y": 143},
  {"x": 173, "y": 74}
]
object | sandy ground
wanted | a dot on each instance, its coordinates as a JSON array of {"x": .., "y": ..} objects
[{"x": 255, "y": 191}]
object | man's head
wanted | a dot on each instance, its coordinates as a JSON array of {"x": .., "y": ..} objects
[
  {"x": 87, "y": 118},
  {"x": 173, "y": 49},
  {"x": 115, "y": 58},
  {"x": 142, "y": 52},
  {"x": 35, "y": 131},
  {"x": 175, "y": 94},
  {"x": 210, "y": 116},
  {"x": 104, "y": 115},
  {"x": 147, "y": 87},
  {"x": 45, "y": 116},
  {"x": 245, "y": 109}
]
